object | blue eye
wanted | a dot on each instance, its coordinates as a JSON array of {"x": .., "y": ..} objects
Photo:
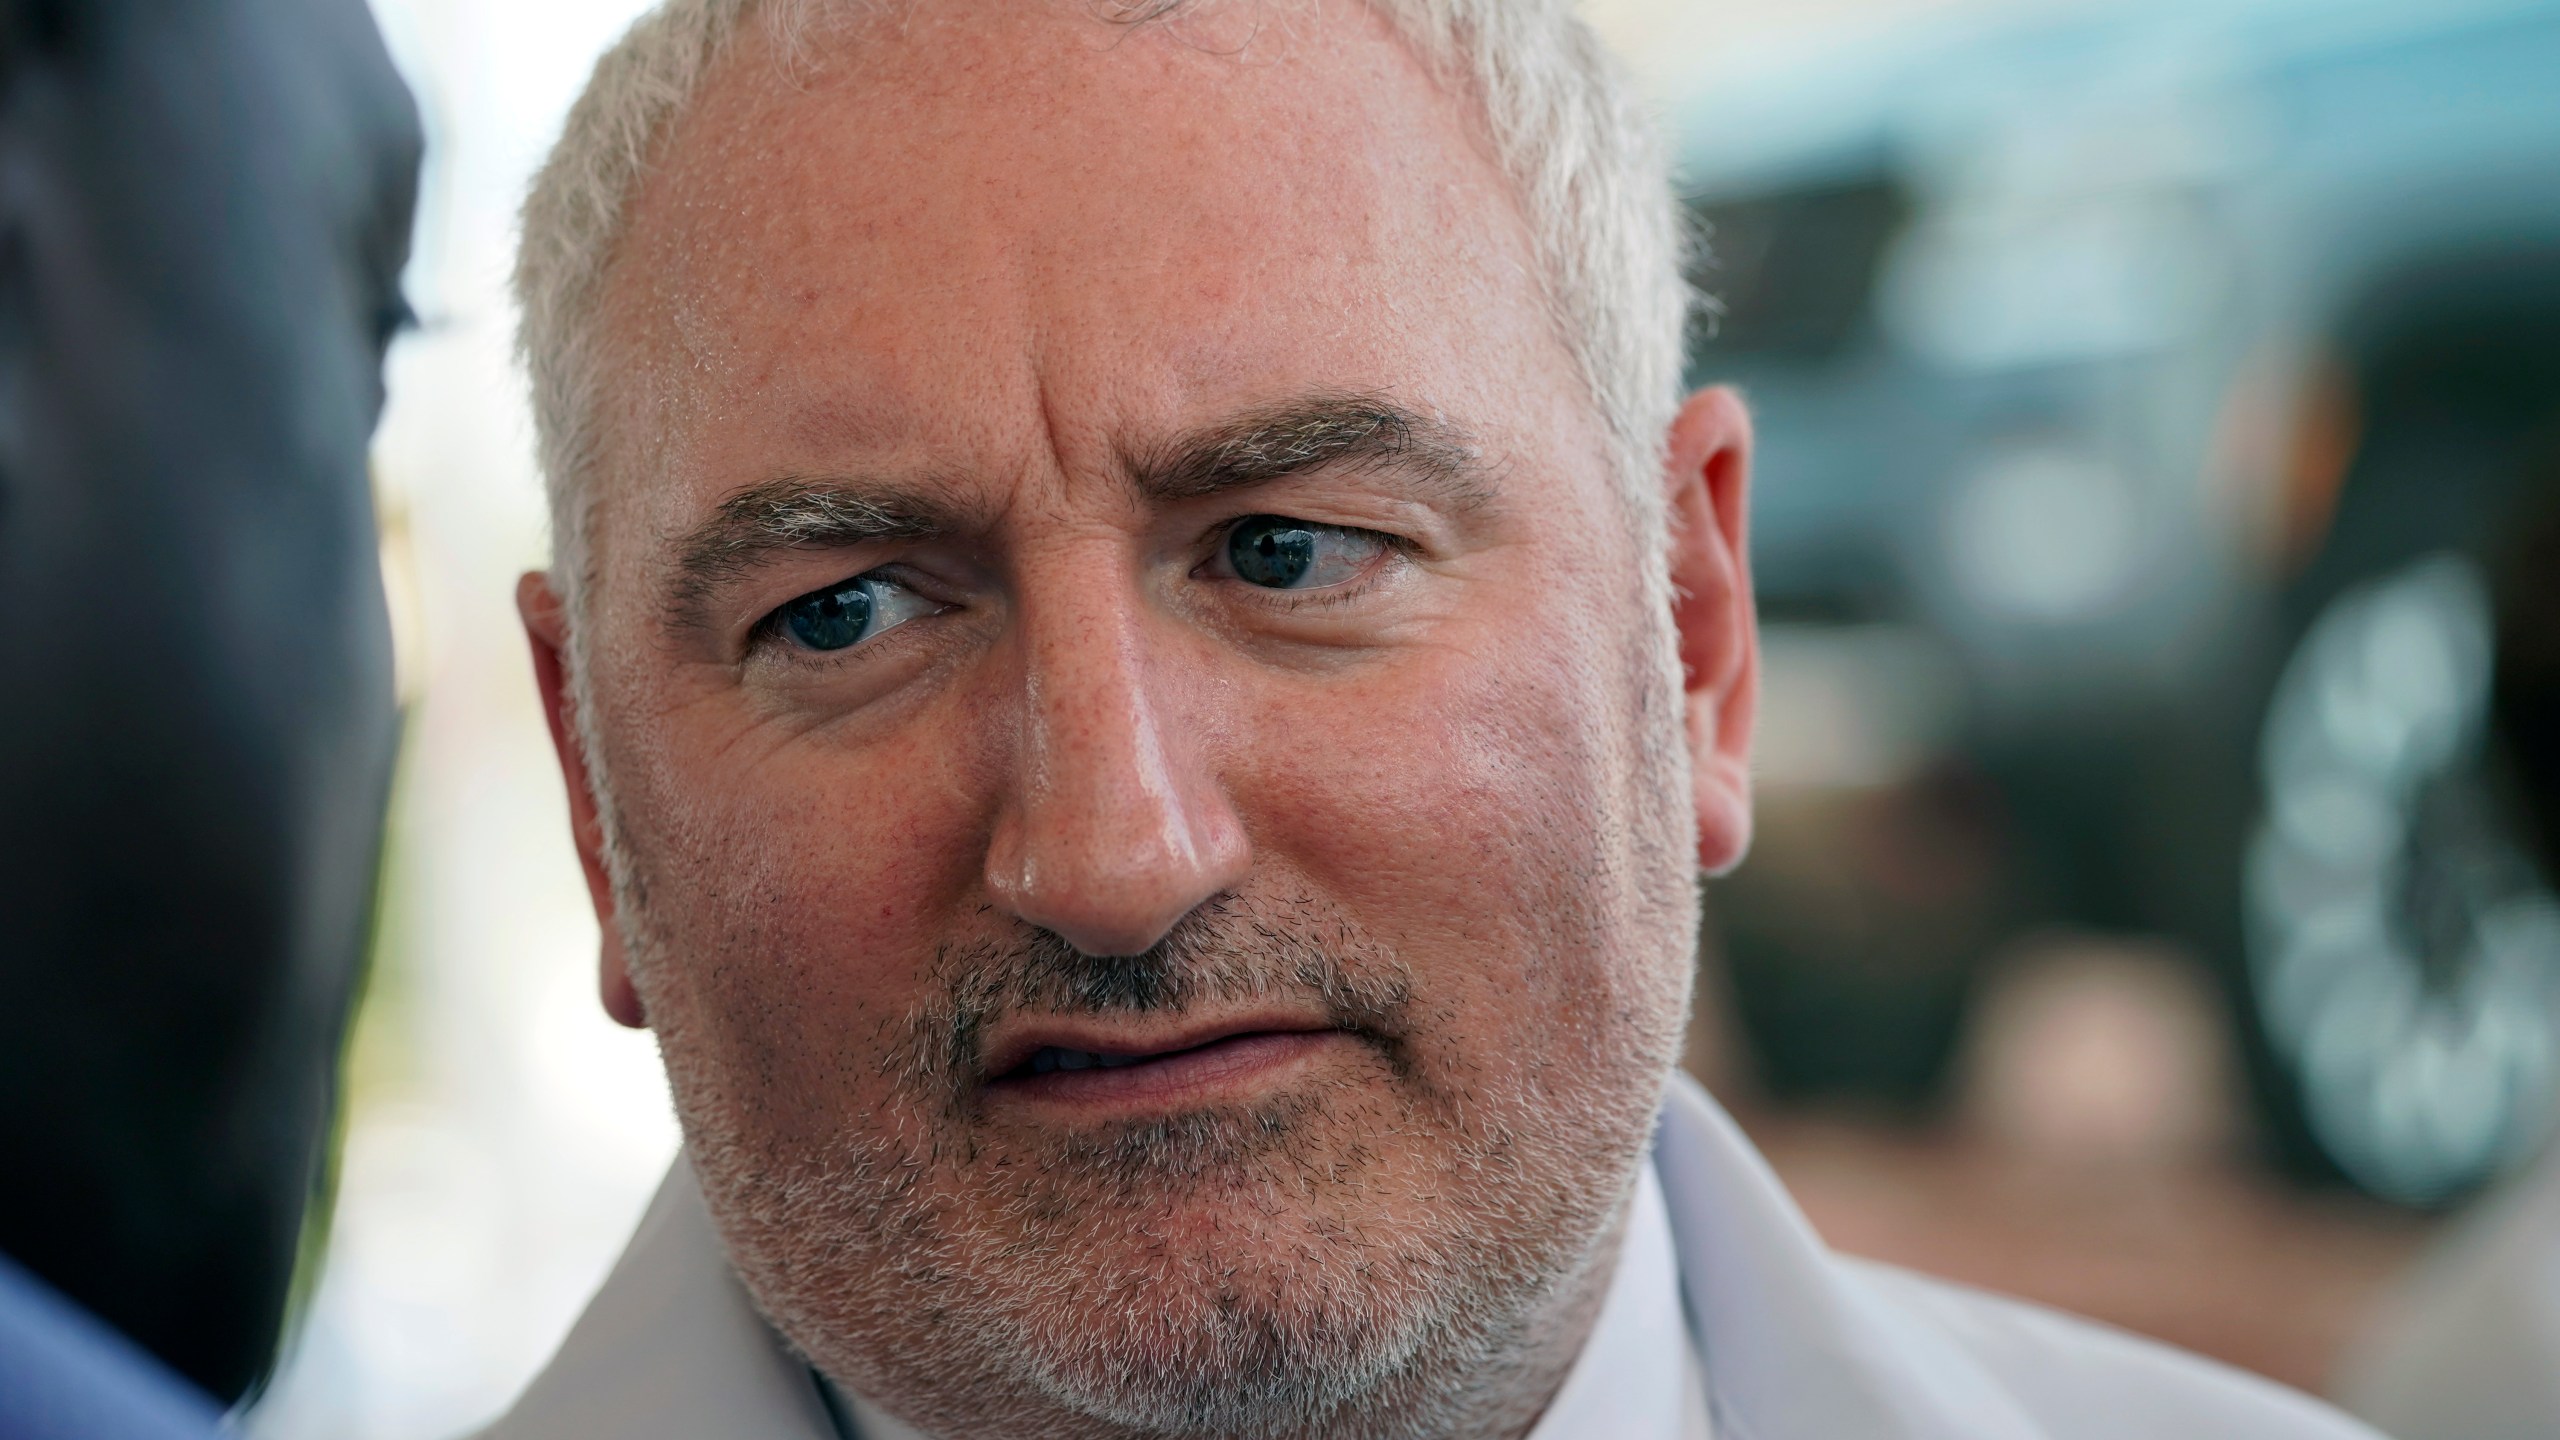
[
  {"x": 1282, "y": 554},
  {"x": 830, "y": 619},
  {"x": 845, "y": 614},
  {"x": 1272, "y": 552}
]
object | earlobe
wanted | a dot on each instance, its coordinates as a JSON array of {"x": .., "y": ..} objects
[
  {"x": 546, "y": 628},
  {"x": 1706, "y": 477},
  {"x": 1724, "y": 818},
  {"x": 621, "y": 1000}
]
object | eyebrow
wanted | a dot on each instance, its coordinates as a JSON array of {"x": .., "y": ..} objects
[
  {"x": 1318, "y": 431},
  {"x": 1256, "y": 448},
  {"x": 792, "y": 513}
]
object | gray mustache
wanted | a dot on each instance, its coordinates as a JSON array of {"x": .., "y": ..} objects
[{"x": 1221, "y": 953}]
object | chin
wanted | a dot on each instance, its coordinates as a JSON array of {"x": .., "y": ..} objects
[
  {"x": 1225, "y": 1343},
  {"x": 1243, "y": 1270}
]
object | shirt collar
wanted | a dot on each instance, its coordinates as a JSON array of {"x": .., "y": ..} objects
[
  {"x": 1798, "y": 1343},
  {"x": 1638, "y": 1375}
]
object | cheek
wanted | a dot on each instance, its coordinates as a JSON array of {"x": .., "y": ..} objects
[
  {"x": 1456, "y": 800},
  {"x": 797, "y": 894}
]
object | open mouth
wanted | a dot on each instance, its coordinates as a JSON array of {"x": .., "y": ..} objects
[
  {"x": 1065, "y": 1072},
  {"x": 1050, "y": 1059},
  {"x": 1053, "y": 1059}
]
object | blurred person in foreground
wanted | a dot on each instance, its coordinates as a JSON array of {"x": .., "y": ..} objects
[
  {"x": 204, "y": 209},
  {"x": 1146, "y": 656}
]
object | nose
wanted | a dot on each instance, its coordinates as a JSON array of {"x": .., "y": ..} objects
[{"x": 1116, "y": 824}]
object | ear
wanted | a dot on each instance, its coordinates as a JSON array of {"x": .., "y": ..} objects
[
  {"x": 546, "y": 627},
  {"x": 1707, "y": 479}
]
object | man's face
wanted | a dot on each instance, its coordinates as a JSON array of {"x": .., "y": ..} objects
[{"x": 1149, "y": 800}]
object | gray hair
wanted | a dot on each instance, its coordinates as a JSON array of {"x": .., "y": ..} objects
[{"x": 1592, "y": 181}]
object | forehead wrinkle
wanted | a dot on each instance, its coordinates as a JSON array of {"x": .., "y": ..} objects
[{"x": 760, "y": 180}]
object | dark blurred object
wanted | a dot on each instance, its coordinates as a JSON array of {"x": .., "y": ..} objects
[
  {"x": 66, "y": 1376},
  {"x": 2158, "y": 405},
  {"x": 1886, "y": 897},
  {"x": 204, "y": 210},
  {"x": 1793, "y": 269},
  {"x": 2527, "y": 697}
]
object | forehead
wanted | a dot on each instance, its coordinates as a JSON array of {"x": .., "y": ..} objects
[{"x": 978, "y": 237}]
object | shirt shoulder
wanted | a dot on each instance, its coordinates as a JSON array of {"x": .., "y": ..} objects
[{"x": 2081, "y": 1380}]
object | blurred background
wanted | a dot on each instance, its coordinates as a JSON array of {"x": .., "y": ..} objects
[{"x": 2158, "y": 535}]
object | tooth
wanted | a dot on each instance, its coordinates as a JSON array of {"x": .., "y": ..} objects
[
  {"x": 1043, "y": 1061},
  {"x": 1114, "y": 1062}
]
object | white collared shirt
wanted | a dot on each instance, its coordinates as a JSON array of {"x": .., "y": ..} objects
[{"x": 1637, "y": 1377}]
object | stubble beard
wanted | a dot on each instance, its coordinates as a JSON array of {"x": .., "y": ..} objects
[{"x": 1252, "y": 1270}]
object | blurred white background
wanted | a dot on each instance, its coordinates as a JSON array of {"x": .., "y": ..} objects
[{"x": 501, "y": 1134}]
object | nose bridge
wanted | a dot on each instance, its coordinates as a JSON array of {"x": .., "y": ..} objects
[
  {"x": 1093, "y": 742},
  {"x": 1116, "y": 825}
]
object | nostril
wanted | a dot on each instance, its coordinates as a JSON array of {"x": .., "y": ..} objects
[
  {"x": 1106, "y": 899},
  {"x": 1109, "y": 937}
]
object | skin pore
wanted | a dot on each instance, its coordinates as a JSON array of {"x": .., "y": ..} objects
[{"x": 1136, "y": 578}]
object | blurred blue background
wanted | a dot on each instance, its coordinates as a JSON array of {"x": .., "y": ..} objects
[
  {"x": 2162, "y": 415},
  {"x": 2157, "y": 532}
]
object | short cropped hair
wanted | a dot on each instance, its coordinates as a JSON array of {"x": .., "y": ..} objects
[{"x": 1591, "y": 177}]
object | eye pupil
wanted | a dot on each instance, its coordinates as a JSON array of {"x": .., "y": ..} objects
[
  {"x": 1273, "y": 553},
  {"x": 830, "y": 619}
]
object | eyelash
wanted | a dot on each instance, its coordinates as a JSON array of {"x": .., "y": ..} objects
[
  {"x": 767, "y": 638},
  {"x": 1402, "y": 547}
]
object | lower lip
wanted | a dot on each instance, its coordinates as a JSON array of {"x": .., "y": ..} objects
[{"x": 1222, "y": 1067}]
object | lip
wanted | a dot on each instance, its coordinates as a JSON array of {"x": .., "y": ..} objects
[{"x": 1171, "y": 1065}]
